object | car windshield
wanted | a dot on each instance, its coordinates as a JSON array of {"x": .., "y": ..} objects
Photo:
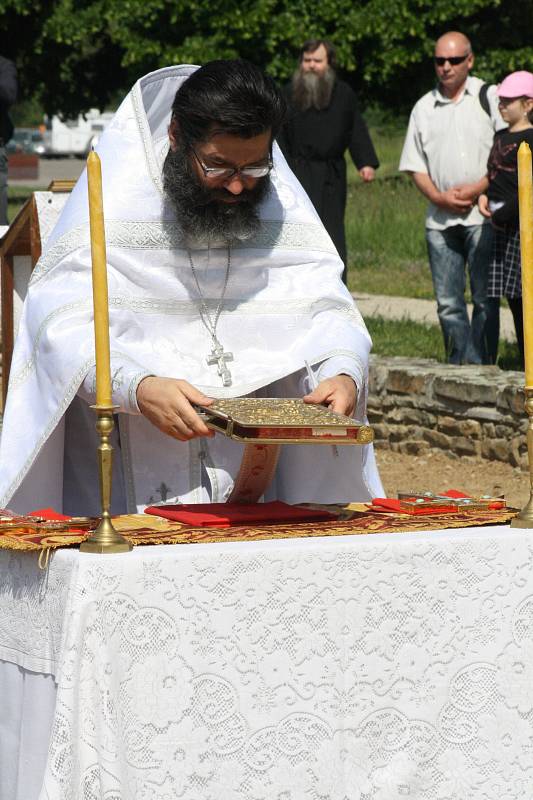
[{"x": 27, "y": 140}]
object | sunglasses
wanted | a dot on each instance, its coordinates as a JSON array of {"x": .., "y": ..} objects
[{"x": 453, "y": 60}]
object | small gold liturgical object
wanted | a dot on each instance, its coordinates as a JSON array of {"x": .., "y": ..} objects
[
  {"x": 105, "y": 539},
  {"x": 283, "y": 420},
  {"x": 524, "y": 518},
  {"x": 525, "y": 203}
]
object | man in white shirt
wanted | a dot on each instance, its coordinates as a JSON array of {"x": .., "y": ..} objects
[
  {"x": 445, "y": 151},
  {"x": 222, "y": 283}
]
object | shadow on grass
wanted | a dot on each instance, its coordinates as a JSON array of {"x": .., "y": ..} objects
[{"x": 509, "y": 356}]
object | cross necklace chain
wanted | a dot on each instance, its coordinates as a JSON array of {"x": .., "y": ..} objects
[{"x": 217, "y": 355}]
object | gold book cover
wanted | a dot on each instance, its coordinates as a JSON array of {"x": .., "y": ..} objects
[{"x": 276, "y": 420}]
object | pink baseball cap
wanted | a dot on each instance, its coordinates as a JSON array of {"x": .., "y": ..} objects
[{"x": 517, "y": 84}]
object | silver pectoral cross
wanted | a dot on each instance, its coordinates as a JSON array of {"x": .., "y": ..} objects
[{"x": 219, "y": 357}]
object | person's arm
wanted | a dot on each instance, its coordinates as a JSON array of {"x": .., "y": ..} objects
[
  {"x": 448, "y": 200},
  {"x": 483, "y": 205},
  {"x": 340, "y": 381},
  {"x": 471, "y": 191},
  {"x": 507, "y": 214},
  {"x": 167, "y": 404},
  {"x": 361, "y": 147},
  {"x": 367, "y": 174},
  {"x": 338, "y": 394},
  {"x": 414, "y": 162},
  {"x": 125, "y": 378},
  {"x": 8, "y": 82}
]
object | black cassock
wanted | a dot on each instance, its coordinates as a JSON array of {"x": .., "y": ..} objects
[{"x": 314, "y": 143}]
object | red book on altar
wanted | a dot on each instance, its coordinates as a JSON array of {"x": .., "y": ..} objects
[{"x": 225, "y": 515}]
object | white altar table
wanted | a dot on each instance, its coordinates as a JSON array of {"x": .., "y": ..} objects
[{"x": 378, "y": 667}]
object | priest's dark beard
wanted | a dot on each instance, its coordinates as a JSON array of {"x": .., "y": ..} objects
[
  {"x": 201, "y": 211},
  {"x": 311, "y": 90}
]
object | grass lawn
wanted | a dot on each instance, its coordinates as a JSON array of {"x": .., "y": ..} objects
[
  {"x": 421, "y": 340},
  {"x": 405, "y": 338},
  {"x": 385, "y": 237},
  {"x": 385, "y": 227}
]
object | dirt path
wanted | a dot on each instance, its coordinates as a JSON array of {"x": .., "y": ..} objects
[{"x": 436, "y": 472}]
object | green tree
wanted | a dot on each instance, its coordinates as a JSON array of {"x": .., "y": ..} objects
[{"x": 74, "y": 54}]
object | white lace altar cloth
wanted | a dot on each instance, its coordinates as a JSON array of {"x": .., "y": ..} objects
[{"x": 361, "y": 668}]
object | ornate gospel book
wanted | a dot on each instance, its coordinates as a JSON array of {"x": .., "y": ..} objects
[{"x": 271, "y": 420}]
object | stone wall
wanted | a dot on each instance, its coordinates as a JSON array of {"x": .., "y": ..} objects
[{"x": 418, "y": 404}]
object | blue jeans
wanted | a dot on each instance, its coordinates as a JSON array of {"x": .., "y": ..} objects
[{"x": 449, "y": 251}]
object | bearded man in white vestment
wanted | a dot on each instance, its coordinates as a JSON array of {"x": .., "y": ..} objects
[{"x": 222, "y": 283}]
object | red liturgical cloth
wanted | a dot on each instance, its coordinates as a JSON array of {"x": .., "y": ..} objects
[{"x": 224, "y": 515}]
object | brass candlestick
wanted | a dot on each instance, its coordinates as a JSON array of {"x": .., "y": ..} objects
[
  {"x": 105, "y": 539},
  {"x": 524, "y": 518}
]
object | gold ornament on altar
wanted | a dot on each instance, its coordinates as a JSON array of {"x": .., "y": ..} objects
[
  {"x": 105, "y": 538},
  {"x": 524, "y": 518},
  {"x": 277, "y": 420}
]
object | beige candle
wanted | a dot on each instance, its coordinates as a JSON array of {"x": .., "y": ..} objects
[
  {"x": 99, "y": 264},
  {"x": 525, "y": 197}
]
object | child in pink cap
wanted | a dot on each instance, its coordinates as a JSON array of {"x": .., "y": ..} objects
[{"x": 500, "y": 203}]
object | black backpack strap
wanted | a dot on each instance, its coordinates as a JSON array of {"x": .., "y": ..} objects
[{"x": 484, "y": 100}]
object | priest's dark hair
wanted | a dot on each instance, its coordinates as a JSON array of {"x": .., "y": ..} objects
[
  {"x": 228, "y": 96},
  {"x": 313, "y": 44}
]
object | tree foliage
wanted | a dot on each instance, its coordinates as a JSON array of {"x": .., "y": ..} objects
[{"x": 75, "y": 54}]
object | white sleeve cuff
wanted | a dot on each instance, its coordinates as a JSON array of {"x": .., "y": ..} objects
[
  {"x": 124, "y": 382},
  {"x": 340, "y": 365}
]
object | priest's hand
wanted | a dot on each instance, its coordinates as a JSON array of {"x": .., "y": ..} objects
[
  {"x": 338, "y": 394},
  {"x": 166, "y": 402}
]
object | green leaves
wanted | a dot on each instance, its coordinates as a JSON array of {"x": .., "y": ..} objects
[{"x": 80, "y": 53}]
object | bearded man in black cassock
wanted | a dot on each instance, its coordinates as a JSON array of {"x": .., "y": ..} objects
[{"x": 323, "y": 122}]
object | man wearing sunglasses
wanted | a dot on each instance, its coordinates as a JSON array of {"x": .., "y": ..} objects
[
  {"x": 445, "y": 151},
  {"x": 222, "y": 283}
]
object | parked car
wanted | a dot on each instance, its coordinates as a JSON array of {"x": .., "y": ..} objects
[{"x": 26, "y": 140}]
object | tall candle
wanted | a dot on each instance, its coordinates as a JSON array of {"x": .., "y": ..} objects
[
  {"x": 99, "y": 267},
  {"x": 525, "y": 198}
]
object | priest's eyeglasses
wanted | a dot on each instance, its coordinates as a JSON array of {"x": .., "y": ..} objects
[{"x": 225, "y": 173}]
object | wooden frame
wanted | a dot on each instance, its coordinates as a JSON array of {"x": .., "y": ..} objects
[{"x": 23, "y": 238}]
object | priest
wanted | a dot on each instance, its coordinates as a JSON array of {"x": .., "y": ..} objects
[
  {"x": 323, "y": 122},
  {"x": 222, "y": 283}
]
